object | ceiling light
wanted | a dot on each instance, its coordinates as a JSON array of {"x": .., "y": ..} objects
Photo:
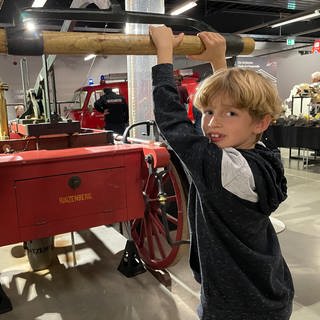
[
  {"x": 306, "y": 17},
  {"x": 30, "y": 25},
  {"x": 184, "y": 8},
  {"x": 38, "y": 3},
  {"x": 89, "y": 57}
]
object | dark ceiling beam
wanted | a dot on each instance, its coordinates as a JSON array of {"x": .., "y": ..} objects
[
  {"x": 281, "y": 51},
  {"x": 272, "y": 4},
  {"x": 120, "y": 16},
  {"x": 252, "y": 12},
  {"x": 294, "y": 30},
  {"x": 212, "y": 11},
  {"x": 57, "y": 27},
  {"x": 270, "y": 23},
  {"x": 307, "y": 32},
  {"x": 277, "y": 38},
  {"x": 5, "y": 25}
]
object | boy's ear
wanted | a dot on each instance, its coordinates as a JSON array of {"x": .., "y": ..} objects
[{"x": 263, "y": 124}]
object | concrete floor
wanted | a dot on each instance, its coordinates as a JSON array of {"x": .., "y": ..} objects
[{"x": 94, "y": 289}]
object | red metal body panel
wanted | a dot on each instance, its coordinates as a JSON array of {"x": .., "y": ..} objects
[
  {"x": 160, "y": 155},
  {"x": 86, "y": 138},
  {"x": 191, "y": 83},
  {"x": 37, "y": 199}
]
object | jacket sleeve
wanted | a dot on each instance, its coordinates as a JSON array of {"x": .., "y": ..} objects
[
  {"x": 125, "y": 111},
  {"x": 193, "y": 149},
  {"x": 100, "y": 104}
]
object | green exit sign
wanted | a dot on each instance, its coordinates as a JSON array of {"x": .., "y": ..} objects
[{"x": 290, "y": 41}]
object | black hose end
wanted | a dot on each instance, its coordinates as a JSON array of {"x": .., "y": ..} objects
[
  {"x": 24, "y": 43},
  {"x": 234, "y": 44}
]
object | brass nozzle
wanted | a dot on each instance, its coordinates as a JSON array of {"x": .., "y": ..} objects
[
  {"x": 162, "y": 198},
  {"x": 4, "y": 128}
]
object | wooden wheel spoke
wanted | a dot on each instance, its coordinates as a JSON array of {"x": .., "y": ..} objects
[
  {"x": 135, "y": 224},
  {"x": 158, "y": 224},
  {"x": 148, "y": 230},
  {"x": 160, "y": 247},
  {"x": 171, "y": 198},
  {"x": 166, "y": 178},
  {"x": 142, "y": 233},
  {"x": 149, "y": 186},
  {"x": 170, "y": 217}
]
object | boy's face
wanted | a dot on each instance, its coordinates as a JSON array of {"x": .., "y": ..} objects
[{"x": 228, "y": 126}]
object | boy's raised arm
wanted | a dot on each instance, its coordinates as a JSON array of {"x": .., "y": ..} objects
[
  {"x": 170, "y": 115},
  {"x": 165, "y": 41},
  {"x": 215, "y": 50}
]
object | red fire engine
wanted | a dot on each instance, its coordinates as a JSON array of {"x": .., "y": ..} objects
[{"x": 83, "y": 107}]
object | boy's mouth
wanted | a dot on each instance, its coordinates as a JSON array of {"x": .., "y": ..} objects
[{"x": 216, "y": 137}]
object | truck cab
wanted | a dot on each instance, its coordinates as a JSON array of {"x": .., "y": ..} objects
[{"x": 82, "y": 109}]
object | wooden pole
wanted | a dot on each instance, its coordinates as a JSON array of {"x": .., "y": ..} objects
[
  {"x": 3, "y": 41},
  {"x": 116, "y": 44}
]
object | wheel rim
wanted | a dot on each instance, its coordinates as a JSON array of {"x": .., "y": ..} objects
[{"x": 148, "y": 232}]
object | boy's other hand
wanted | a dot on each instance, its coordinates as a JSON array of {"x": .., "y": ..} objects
[
  {"x": 165, "y": 42},
  {"x": 215, "y": 49}
]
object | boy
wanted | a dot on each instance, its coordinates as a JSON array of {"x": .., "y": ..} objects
[{"x": 236, "y": 183}]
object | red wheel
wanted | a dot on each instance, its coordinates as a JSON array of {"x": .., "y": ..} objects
[{"x": 149, "y": 233}]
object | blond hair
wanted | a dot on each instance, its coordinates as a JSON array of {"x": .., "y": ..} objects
[{"x": 248, "y": 90}]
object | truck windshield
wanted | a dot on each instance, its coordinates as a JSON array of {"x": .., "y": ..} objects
[{"x": 78, "y": 99}]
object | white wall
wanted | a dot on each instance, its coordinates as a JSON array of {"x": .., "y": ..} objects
[
  {"x": 73, "y": 72},
  {"x": 294, "y": 70},
  {"x": 70, "y": 73},
  {"x": 10, "y": 74}
]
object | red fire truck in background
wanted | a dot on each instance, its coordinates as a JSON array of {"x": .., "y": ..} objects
[{"x": 82, "y": 109}]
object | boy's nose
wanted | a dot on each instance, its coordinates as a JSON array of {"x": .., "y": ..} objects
[{"x": 214, "y": 121}]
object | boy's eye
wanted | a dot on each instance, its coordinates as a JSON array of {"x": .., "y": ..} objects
[
  {"x": 231, "y": 114},
  {"x": 208, "y": 112}
]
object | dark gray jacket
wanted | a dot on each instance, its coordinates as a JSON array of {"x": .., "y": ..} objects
[{"x": 235, "y": 253}]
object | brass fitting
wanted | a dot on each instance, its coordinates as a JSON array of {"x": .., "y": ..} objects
[
  {"x": 162, "y": 198},
  {"x": 4, "y": 128}
]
